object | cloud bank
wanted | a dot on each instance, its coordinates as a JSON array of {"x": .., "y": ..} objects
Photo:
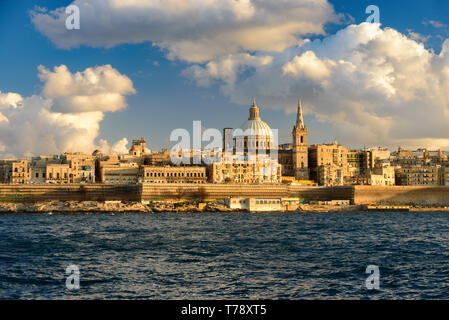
[
  {"x": 95, "y": 89},
  {"x": 190, "y": 30},
  {"x": 67, "y": 114},
  {"x": 372, "y": 85}
]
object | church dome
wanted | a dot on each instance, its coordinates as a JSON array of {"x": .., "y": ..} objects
[
  {"x": 254, "y": 134},
  {"x": 254, "y": 126}
]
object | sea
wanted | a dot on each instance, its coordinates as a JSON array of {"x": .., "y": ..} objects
[{"x": 225, "y": 256}]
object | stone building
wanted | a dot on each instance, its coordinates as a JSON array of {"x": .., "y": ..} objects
[
  {"x": 82, "y": 167},
  {"x": 242, "y": 171},
  {"x": 138, "y": 148},
  {"x": 328, "y": 163},
  {"x": 119, "y": 173},
  {"x": 262, "y": 204},
  {"x": 58, "y": 173},
  {"x": 158, "y": 158},
  {"x": 418, "y": 175},
  {"x": 3, "y": 165},
  {"x": 39, "y": 174},
  {"x": 100, "y": 162},
  {"x": 15, "y": 171},
  {"x": 39, "y": 167},
  {"x": 382, "y": 176},
  {"x": 172, "y": 174},
  {"x": 372, "y": 156},
  {"x": 444, "y": 176},
  {"x": 285, "y": 158},
  {"x": 66, "y": 168},
  {"x": 329, "y": 174},
  {"x": 254, "y": 204}
]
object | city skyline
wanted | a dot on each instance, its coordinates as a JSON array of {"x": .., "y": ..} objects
[
  {"x": 213, "y": 151},
  {"x": 148, "y": 87}
]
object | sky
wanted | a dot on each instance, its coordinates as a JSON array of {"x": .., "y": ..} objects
[{"x": 142, "y": 68}]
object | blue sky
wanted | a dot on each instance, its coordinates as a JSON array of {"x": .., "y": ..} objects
[{"x": 165, "y": 98}]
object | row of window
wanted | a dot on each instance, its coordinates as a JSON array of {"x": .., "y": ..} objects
[
  {"x": 176, "y": 174},
  {"x": 268, "y": 201},
  {"x": 164, "y": 181}
]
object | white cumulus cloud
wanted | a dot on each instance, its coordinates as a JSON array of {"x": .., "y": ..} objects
[
  {"x": 10, "y": 99},
  {"x": 120, "y": 147},
  {"x": 55, "y": 122},
  {"x": 308, "y": 65},
  {"x": 95, "y": 89},
  {"x": 191, "y": 30},
  {"x": 372, "y": 85},
  {"x": 227, "y": 68}
]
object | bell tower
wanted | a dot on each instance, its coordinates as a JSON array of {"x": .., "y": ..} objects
[{"x": 300, "y": 147}]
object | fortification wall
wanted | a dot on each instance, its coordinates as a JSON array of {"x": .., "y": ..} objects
[
  {"x": 395, "y": 195},
  {"x": 401, "y": 195},
  {"x": 218, "y": 191},
  {"x": 102, "y": 192},
  {"x": 73, "y": 192}
]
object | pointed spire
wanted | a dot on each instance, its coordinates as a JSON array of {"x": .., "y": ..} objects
[
  {"x": 299, "y": 118},
  {"x": 254, "y": 111}
]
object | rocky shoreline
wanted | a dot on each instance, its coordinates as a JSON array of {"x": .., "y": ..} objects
[
  {"x": 79, "y": 207},
  {"x": 83, "y": 207},
  {"x": 106, "y": 207}
]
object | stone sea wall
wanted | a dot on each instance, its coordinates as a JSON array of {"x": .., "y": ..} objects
[
  {"x": 73, "y": 192},
  {"x": 104, "y": 192},
  {"x": 395, "y": 195},
  {"x": 402, "y": 195}
]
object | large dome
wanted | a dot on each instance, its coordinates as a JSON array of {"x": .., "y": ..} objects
[
  {"x": 254, "y": 126},
  {"x": 254, "y": 134}
]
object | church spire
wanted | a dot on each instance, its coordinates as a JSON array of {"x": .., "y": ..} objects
[
  {"x": 299, "y": 119},
  {"x": 254, "y": 111}
]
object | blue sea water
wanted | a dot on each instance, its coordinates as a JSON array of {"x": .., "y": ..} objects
[{"x": 225, "y": 256}]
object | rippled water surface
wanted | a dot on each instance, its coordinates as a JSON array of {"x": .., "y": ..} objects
[{"x": 225, "y": 256}]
